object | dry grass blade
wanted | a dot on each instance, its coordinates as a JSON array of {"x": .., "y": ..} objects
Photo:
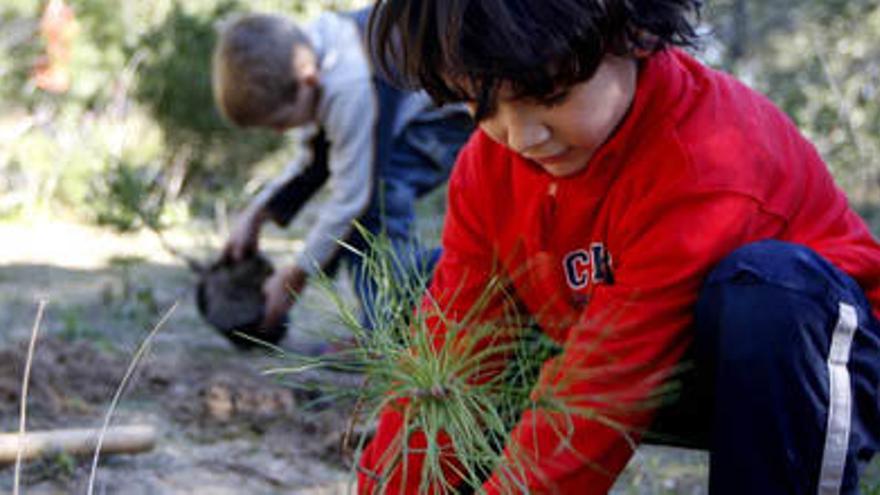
[
  {"x": 141, "y": 352},
  {"x": 24, "y": 394}
]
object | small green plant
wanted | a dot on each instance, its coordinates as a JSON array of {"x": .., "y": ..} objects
[
  {"x": 459, "y": 393},
  {"x": 127, "y": 198},
  {"x": 64, "y": 463},
  {"x": 74, "y": 327},
  {"x": 870, "y": 481}
]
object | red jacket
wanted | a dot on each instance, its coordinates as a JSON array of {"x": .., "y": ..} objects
[{"x": 616, "y": 253}]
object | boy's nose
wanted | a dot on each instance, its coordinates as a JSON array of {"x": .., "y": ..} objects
[{"x": 523, "y": 136}]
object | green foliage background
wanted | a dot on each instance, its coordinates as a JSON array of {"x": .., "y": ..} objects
[
  {"x": 137, "y": 137},
  {"x": 820, "y": 61},
  {"x": 140, "y": 109}
]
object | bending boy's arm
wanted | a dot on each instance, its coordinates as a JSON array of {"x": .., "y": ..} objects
[{"x": 624, "y": 347}]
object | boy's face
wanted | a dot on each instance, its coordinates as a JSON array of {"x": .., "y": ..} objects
[
  {"x": 301, "y": 110},
  {"x": 561, "y": 136}
]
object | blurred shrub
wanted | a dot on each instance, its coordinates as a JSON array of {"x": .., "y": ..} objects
[
  {"x": 820, "y": 61},
  {"x": 174, "y": 86},
  {"x": 126, "y": 198},
  {"x": 825, "y": 72}
]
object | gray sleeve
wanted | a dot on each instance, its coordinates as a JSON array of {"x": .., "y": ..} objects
[{"x": 349, "y": 123}]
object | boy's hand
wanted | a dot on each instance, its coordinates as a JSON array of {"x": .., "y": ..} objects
[
  {"x": 281, "y": 291},
  {"x": 383, "y": 468},
  {"x": 245, "y": 235}
]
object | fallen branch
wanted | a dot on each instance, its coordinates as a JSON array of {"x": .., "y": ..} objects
[{"x": 117, "y": 440}]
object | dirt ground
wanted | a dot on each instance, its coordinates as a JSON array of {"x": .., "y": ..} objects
[{"x": 223, "y": 426}]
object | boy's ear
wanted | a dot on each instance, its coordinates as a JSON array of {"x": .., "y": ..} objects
[
  {"x": 305, "y": 65},
  {"x": 640, "y": 53},
  {"x": 647, "y": 45},
  {"x": 311, "y": 78}
]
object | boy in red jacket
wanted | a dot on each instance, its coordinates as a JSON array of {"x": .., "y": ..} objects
[{"x": 646, "y": 208}]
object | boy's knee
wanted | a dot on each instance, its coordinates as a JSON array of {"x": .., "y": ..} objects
[
  {"x": 786, "y": 265},
  {"x": 791, "y": 349},
  {"x": 771, "y": 302}
]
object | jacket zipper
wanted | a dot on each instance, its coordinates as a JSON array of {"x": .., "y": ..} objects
[{"x": 548, "y": 217}]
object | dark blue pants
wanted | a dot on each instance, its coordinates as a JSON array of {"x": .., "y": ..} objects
[{"x": 784, "y": 388}]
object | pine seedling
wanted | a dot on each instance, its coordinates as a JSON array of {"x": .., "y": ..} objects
[{"x": 460, "y": 393}]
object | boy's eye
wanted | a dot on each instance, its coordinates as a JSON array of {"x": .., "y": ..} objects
[{"x": 555, "y": 99}]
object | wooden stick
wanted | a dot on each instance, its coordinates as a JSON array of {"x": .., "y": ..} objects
[{"x": 118, "y": 440}]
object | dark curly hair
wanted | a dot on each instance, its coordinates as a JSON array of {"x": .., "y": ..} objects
[{"x": 463, "y": 50}]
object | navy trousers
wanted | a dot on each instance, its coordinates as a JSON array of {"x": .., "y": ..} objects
[{"x": 783, "y": 391}]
